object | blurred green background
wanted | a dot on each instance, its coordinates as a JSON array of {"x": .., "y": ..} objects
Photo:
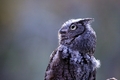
[{"x": 28, "y": 35}]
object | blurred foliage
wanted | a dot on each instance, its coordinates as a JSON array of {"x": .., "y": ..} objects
[{"x": 28, "y": 35}]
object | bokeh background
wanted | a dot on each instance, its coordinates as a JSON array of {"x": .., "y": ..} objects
[{"x": 28, "y": 35}]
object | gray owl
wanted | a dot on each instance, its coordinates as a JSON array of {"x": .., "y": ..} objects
[{"x": 74, "y": 58}]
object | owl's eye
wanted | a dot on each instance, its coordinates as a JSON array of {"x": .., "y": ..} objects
[{"x": 73, "y": 27}]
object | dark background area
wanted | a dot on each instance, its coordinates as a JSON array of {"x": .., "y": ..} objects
[{"x": 28, "y": 35}]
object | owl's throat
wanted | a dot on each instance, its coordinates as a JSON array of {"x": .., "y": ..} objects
[{"x": 67, "y": 40}]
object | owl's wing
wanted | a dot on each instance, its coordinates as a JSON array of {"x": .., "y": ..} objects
[
  {"x": 93, "y": 75},
  {"x": 57, "y": 67},
  {"x": 48, "y": 73}
]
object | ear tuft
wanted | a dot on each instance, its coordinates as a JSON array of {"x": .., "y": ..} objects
[{"x": 87, "y": 20}]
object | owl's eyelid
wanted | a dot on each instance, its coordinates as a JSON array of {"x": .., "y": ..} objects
[{"x": 73, "y": 24}]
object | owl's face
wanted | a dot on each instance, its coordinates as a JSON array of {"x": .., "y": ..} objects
[
  {"x": 74, "y": 28},
  {"x": 78, "y": 34}
]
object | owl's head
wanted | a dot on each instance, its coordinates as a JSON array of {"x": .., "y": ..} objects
[{"x": 77, "y": 33}]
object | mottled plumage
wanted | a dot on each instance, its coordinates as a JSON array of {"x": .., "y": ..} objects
[{"x": 73, "y": 59}]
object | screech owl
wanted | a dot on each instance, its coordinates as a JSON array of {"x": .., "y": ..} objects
[{"x": 74, "y": 58}]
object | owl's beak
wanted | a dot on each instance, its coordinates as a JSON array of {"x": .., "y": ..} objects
[{"x": 62, "y": 31}]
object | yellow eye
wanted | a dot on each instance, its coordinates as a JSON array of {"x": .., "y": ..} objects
[{"x": 73, "y": 27}]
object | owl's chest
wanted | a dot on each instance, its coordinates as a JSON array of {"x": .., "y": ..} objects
[
  {"x": 73, "y": 56},
  {"x": 70, "y": 63}
]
